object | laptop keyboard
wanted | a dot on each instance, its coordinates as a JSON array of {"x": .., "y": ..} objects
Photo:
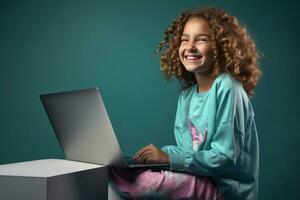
[{"x": 130, "y": 160}]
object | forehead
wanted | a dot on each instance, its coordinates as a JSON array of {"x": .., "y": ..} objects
[{"x": 195, "y": 26}]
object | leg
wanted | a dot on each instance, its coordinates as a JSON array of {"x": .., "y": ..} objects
[{"x": 147, "y": 183}]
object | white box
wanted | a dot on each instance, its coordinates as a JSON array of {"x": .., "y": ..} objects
[{"x": 53, "y": 179}]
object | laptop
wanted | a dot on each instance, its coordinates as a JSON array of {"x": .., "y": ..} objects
[{"x": 83, "y": 128}]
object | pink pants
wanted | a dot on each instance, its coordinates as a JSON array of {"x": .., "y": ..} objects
[{"x": 161, "y": 184}]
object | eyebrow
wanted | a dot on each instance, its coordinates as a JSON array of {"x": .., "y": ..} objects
[{"x": 198, "y": 35}]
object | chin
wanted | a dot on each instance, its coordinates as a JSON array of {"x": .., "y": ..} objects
[
  {"x": 200, "y": 70},
  {"x": 192, "y": 68}
]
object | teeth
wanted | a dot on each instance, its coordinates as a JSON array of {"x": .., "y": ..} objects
[{"x": 192, "y": 57}]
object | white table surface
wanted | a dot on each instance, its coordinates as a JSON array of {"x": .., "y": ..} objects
[{"x": 44, "y": 168}]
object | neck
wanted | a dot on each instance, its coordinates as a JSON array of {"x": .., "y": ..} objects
[{"x": 204, "y": 82}]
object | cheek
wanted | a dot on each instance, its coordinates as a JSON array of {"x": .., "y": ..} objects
[
  {"x": 210, "y": 56},
  {"x": 180, "y": 52},
  {"x": 207, "y": 51}
]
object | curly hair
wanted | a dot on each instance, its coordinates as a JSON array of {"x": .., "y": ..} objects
[{"x": 233, "y": 49}]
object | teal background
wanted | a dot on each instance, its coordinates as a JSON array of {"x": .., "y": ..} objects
[{"x": 49, "y": 46}]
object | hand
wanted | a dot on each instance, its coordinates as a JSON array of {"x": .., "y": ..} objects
[{"x": 151, "y": 154}]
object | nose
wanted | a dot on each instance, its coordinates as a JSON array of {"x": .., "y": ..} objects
[{"x": 191, "y": 47}]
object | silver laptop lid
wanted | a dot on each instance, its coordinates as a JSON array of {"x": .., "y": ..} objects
[{"x": 82, "y": 126}]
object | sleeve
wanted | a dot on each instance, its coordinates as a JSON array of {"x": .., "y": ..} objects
[{"x": 221, "y": 156}]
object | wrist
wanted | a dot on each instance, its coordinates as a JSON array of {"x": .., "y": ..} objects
[{"x": 166, "y": 159}]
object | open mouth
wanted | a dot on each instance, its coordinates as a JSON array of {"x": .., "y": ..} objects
[{"x": 192, "y": 57}]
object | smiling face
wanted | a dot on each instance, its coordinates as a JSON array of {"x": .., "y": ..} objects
[{"x": 195, "y": 51}]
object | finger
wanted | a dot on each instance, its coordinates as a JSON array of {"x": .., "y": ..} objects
[
  {"x": 142, "y": 154},
  {"x": 139, "y": 151},
  {"x": 146, "y": 155},
  {"x": 152, "y": 149},
  {"x": 156, "y": 157},
  {"x": 142, "y": 157},
  {"x": 147, "y": 147},
  {"x": 150, "y": 159}
]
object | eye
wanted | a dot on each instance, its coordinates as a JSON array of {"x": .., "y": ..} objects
[
  {"x": 183, "y": 40},
  {"x": 203, "y": 40}
]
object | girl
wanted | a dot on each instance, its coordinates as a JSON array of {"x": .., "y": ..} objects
[{"x": 217, "y": 155}]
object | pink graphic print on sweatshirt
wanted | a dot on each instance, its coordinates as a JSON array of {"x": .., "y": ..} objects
[{"x": 198, "y": 136}]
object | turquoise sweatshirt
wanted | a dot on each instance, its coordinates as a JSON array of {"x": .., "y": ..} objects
[{"x": 216, "y": 136}]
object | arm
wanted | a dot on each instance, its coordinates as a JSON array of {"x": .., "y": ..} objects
[{"x": 221, "y": 157}]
